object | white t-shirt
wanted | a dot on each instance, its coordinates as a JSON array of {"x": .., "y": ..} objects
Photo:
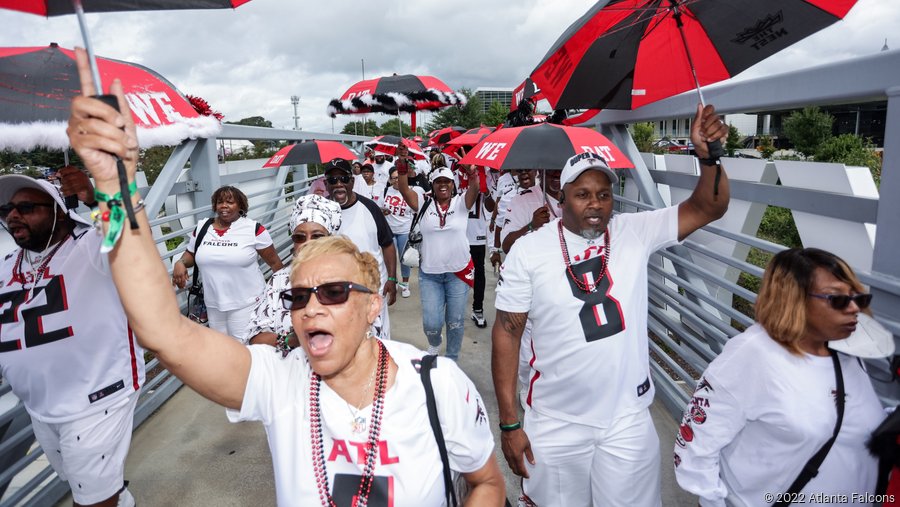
[
  {"x": 477, "y": 229},
  {"x": 66, "y": 350},
  {"x": 587, "y": 346},
  {"x": 444, "y": 249},
  {"x": 408, "y": 467},
  {"x": 401, "y": 214},
  {"x": 521, "y": 210},
  {"x": 229, "y": 263},
  {"x": 759, "y": 413},
  {"x": 365, "y": 225},
  {"x": 382, "y": 172},
  {"x": 374, "y": 191},
  {"x": 503, "y": 193}
]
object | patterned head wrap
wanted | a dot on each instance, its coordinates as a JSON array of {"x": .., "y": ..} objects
[{"x": 318, "y": 209}]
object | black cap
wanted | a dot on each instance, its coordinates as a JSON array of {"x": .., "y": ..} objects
[{"x": 339, "y": 163}]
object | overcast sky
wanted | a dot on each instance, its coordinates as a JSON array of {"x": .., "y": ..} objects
[{"x": 249, "y": 61}]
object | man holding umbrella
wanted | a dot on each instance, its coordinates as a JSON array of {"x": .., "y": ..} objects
[{"x": 582, "y": 281}]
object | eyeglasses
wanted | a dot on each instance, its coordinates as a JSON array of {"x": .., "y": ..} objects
[
  {"x": 333, "y": 293},
  {"x": 841, "y": 301},
  {"x": 23, "y": 208},
  {"x": 302, "y": 238},
  {"x": 333, "y": 180}
]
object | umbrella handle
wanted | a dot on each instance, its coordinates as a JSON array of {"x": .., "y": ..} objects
[{"x": 113, "y": 101}]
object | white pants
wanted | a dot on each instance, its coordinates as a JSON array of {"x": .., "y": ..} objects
[
  {"x": 580, "y": 466},
  {"x": 234, "y": 323},
  {"x": 90, "y": 452}
]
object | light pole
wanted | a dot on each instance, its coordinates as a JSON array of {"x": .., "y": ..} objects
[{"x": 295, "y": 100}]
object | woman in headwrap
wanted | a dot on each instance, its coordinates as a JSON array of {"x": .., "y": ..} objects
[{"x": 313, "y": 217}]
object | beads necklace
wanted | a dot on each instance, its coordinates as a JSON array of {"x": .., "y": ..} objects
[
  {"x": 604, "y": 261},
  {"x": 38, "y": 273},
  {"x": 318, "y": 445}
]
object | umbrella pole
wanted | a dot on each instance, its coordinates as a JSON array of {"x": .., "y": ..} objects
[{"x": 86, "y": 36}]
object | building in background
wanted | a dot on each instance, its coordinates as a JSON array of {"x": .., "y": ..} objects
[{"x": 489, "y": 94}]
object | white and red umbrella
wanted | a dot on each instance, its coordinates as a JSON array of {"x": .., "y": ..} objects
[
  {"x": 310, "y": 152},
  {"x": 388, "y": 145},
  {"x": 542, "y": 146},
  {"x": 38, "y": 84}
]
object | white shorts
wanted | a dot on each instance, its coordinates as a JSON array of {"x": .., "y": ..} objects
[
  {"x": 578, "y": 465},
  {"x": 90, "y": 452},
  {"x": 234, "y": 323}
]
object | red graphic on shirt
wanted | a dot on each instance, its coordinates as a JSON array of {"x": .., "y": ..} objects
[
  {"x": 396, "y": 206},
  {"x": 591, "y": 251},
  {"x": 341, "y": 449}
]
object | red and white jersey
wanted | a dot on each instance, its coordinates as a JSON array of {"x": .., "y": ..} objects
[
  {"x": 65, "y": 347},
  {"x": 759, "y": 413},
  {"x": 399, "y": 215},
  {"x": 408, "y": 467},
  {"x": 229, "y": 263},
  {"x": 590, "y": 354},
  {"x": 477, "y": 229},
  {"x": 521, "y": 210}
]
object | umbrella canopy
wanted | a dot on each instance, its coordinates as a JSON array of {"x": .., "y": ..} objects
[
  {"x": 393, "y": 94},
  {"x": 445, "y": 135},
  {"x": 37, "y": 85},
  {"x": 525, "y": 91},
  {"x": 623, "y": 54},
  {"x": 542, "y": 146},
  {"x": 388, "y": 145},
  {"x": 59, "y": 8},
  {"x": 310, "y": 152},
  {"x": 472, "y": 136}
]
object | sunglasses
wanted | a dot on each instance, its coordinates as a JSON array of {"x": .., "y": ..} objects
[
  {"x": 333, "y": 180},
  {"x": 23, "y": 208},
  {"x": 333, "y": 293},
  {"x": 841, "y": 301}
]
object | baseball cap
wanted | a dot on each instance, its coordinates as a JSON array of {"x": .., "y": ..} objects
[
  {"x": 581, "y": 163},
  {"x": 12, "y": 183},
  {"x": 367, "y": 167},
  {"x": 441, "y": 172},
  {"x": 339, "y": 163}
]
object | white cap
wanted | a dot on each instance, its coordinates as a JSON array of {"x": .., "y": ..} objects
[
  {"x": 581, "y": 163},
  {"x": 441, "y": 172},
  {"x": 12, "y": 183}
]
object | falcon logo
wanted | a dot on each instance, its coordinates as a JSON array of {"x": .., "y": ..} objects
[
  {"x": 677, "y": 460},
  {"x": 698, "y": 415},
  {"x": 703, "y": 385},
  {"x": 480, "y": 415},
  {"x": 765, "y": 31}
]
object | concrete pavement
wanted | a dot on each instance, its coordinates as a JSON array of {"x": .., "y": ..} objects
[{"x": 187, "y": 454}]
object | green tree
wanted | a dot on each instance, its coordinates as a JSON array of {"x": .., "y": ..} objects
[
  {"x": 851, "y": 150},
  {"x": 642, "y": 133},
  {"x": 496, "y": 114},
  {"x": 356, "y": 128},
  {"x": 766, "y": 147},
  {"x": 468, "y": 116},
  {"x": 392, "y": 128},
  {"x": 807, "y": 129},
  {"x": 152, "y": 160},
  {"x": 252, "y": 121},
  {"x": 734, "y": 141}
]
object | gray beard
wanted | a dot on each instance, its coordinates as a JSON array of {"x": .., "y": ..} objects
[{"x": 591, "y": 234}]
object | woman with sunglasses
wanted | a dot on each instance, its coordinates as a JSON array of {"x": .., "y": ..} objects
[
  {"x": 446, "y": 271},
  {"x": 313, "y": 217},
  {"x": 345, "y": 414},
  {"x": 769, "y": 402}
]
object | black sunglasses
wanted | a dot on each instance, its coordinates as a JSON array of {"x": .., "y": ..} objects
[
  {"x": 333, "y": 180},
  {"x": 23, "y": 208},
  {"x": 841, "y": 301},
  {"x": 333, "y": 293}
]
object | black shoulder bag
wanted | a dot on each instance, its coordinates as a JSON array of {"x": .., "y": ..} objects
[
  {"x": 195, "y": 292},
  {"x": 450, "y": 489},
  {"x": 811, "y": 468}
]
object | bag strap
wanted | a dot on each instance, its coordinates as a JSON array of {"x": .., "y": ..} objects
[
  {"x": 428, "y": 362},
  {"x": 195, "y": 274},
  {"x": 811, "y": 468},
  {"x": 419, "y": 214}
]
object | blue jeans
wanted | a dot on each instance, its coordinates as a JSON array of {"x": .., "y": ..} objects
[
  {"x": 444, "y": 298},
  {"x": 400, "y": 244}
]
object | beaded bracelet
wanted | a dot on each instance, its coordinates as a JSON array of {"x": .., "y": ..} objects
[{"x": 115, "y": 215}]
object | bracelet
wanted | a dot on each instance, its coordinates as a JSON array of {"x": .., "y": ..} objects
[
  {"x": 530, "y": 227},
  {"x": 392, "y": 279},
  {"x": 511, "y": 427},
  {"x": 708, "y": 161},
  {"x": 115, "y": 215}
]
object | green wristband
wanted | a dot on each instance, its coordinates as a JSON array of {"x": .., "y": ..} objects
[
  {"x": 392, "y": 279},
  {"x": 511, "y": 427}
]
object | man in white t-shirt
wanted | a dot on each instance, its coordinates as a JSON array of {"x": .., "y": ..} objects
[
  {"x": 508, "y": 186},
  {"x": 582, "y": 281},
  {"x": 531, "y": 209},
  {"x": 382, "y": 168},
  {"x": 65, "y": 345},
  {"x": 364, "y": 223}
]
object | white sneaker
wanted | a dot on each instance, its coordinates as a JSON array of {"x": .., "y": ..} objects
[
  {"x": 478, "y": 317},
  {"x": 404, "y": 290},
  {"x": 433, "y": 351}
]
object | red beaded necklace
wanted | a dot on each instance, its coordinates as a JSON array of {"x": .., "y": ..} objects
[
  {"x": 442, "y": 217},
  {"x": 315, "y": 415},
  {"x": 39, "y": 273},
  {"x": 604, "y": 260}
]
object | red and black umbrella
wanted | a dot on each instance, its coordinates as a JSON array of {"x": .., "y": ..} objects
[
  {"x": 37, "y": 85},
  {"x": 542, "y": 146},
  {"x": 388, "y": 145},
  {"x": 525, "y": 91},
  {"x": 310, "y": 152},
  {"x": 470, "y": 138},
  {"x": 623, "y": 54},
  {"x": 445, "y": 135},
  {"x": 393, "y": 94}
]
